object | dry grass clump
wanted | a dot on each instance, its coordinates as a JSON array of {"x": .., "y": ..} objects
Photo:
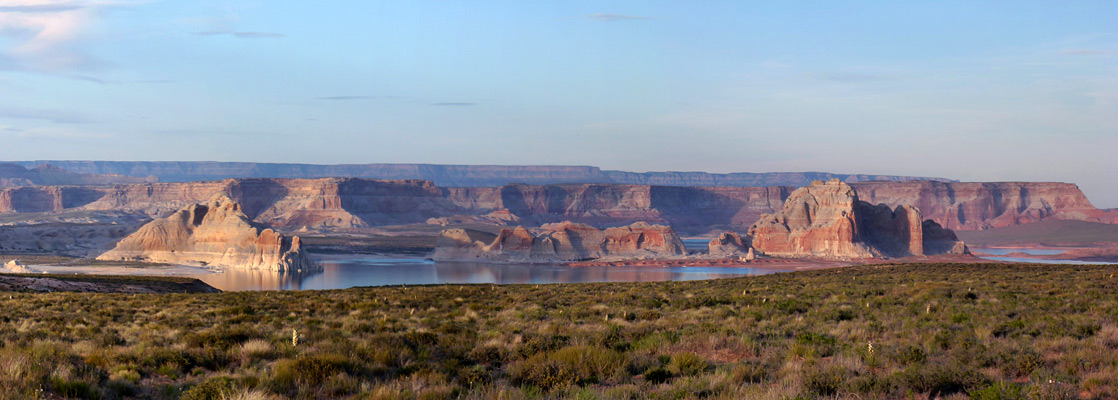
[{"x": 912, "y": 331}]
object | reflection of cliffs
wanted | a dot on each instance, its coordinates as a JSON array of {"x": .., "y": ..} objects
[
  {"x": 828, "y": 220},
  {"x": 559, "y": 242},
  {"x": 344, "y": 203},
  {"x": 216, "y": 233}
]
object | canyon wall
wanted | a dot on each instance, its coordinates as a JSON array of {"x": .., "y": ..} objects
[
  {"x": 828, "y": 220},
  {"x": 558, "y": 242},
  {"x": 344, "y": 203},
  {"x": 451, "y": 175},
  {"x": 13, "y": 175},
  {"x": 986, "y": 205}
]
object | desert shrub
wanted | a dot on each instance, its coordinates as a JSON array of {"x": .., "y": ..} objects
[
  {"x": 908, "y": 354},
  {"x": 688, "y": 364},
  {"x": 748, "y": 372},
  {"x": 307, "y": 371},
  {"x": 1000, "y": 391},
  {"x": 73, "y": 389},
  {"x": 217, "y": 388},
  {"x": 222, "y": 338},
  {"x": 825, "y": 381},
  {"x": 544, "y": 373},
  {"x": 658, "y": 375}
]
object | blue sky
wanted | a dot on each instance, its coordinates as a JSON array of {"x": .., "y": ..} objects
[{"x": 984, "y": 91}]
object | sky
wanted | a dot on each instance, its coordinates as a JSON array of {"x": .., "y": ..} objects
[{"x": 975, "y": 91}]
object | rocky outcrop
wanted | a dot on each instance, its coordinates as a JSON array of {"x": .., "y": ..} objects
[
  {"x": 828, "y": 220},
  {"x": 500, "y": 217},
  {"x": 940, "y": 240},
  {"x": 986, "y": 205},
  {"x": 351, "y": 203},
  {"x": 12, "y": 175},
  {"x": 566, "y": 241},
  {"x": 451, "y": 175},
  {"x": 730, "y": 245},
  {"x": 216, "y": 233}
]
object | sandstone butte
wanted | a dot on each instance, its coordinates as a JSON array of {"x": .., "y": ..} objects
[
  {"x": 216, "y": 233},
  {"x": 730, "y": 245},
  {"x": 559, "y": 242},
  {"x": 827, "y": 220},
  {"x": 350, "y": 203}
]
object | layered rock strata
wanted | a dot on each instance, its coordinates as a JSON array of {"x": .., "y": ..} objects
[
  {"x": 350, "y": 203},
  {"x": 827, "y": 220},
  {"x": 566, "y": 241},
  {"x": 730, "y": 245},
  {"x": 216, "y": 233}
]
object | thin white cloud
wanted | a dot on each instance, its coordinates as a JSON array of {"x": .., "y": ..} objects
[
  {"x": 56, "y": 116},
  {"x": 45, "y": 35},
  {"x": 242, "y": 34},
  {"x": 614, "y": 17},
  {"x": 1088, "y": 52}
]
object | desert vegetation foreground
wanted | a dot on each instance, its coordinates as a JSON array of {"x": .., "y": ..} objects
[{"x": 908, "y": 331}]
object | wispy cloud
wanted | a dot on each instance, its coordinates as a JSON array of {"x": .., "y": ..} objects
[
  {"x": 242, "y": 34},
  {"x": 452, "y": 104},
  {"x": 614, "y": 17},
  {"x": 10, "y": 129},
  {"x": 357, "y": 97},
  {"x": 45, "y": 35},
  {"x": 1088, "y": 52},
  {"x": 56, "y": 116}
]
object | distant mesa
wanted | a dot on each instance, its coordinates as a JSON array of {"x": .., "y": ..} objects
[
  {"x": 559, "y": 242},
  {"x": 827, "y": 220},
  {"x": 452, "y": 175},
  {"x": 499, "y": 217},
  {"x": 14, "y": 175},
  {"x": 216, "y": 233}
]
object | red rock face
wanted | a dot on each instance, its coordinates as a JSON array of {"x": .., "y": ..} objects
[
  {"x": 215, "y": 233},
  {"x": 344, "y": 203},
  {"x": 977, "y": 206},
  {"x": 729, "y": 245},
  {"x": 565, "y": 241},
  {"x": 828, "y": 220}
]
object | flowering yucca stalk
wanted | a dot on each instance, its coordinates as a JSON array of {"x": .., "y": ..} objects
[{"x": 294, "y": 337}]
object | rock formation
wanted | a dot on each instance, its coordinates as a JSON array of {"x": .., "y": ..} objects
[
  {"x": 351, "y": 203},
  {"x": 216, "y": 233},
  {"x": 13, "y": 175},
  {"x": 987, "y": 205},
  {"x": 451, "y": 175},
  {"x": 730, "y": 245},
  {"x": 828, "y": 220},
  {"x": 557, "y": 242}
]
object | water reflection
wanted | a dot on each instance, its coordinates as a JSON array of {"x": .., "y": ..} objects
[
  {"x": 1001, "y": 251},
  {"x": 340, "y": 274}
]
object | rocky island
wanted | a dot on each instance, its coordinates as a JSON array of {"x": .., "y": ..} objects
[{"x": 216, "y": 233}]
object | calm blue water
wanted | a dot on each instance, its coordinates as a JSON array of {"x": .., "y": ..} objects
[
  {"x": 1043, "y": 261},
  {"x": 340, "y": 274},
  {"x": 1001, "y": 251}
]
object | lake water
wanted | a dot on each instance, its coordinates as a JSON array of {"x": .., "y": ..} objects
[
  {"x": 341, "y": 274},
  {"x": 1001, "y": 251},
  {"x": 998, "y": 253}
]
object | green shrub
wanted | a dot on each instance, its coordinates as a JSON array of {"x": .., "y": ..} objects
[
  {"x": 217, "y": 388},
  {"x": 688, "y": 364}
]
